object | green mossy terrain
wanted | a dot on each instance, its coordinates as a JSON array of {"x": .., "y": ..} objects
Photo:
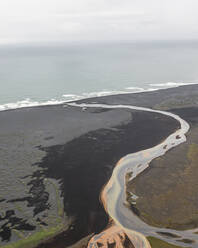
[
  {"x": 35, "y": 239},
  {"x": 167, "y": 191},
  {"x": 178, "y": 102},
  {"x": 157, "y": 243},
  {"x": 31, "y": 241}
]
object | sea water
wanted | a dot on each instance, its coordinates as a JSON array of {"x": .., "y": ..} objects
[{"x": 40, "y": 74}]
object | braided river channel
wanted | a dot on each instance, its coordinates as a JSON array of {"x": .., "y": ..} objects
[{"x": 114, "y": 193}]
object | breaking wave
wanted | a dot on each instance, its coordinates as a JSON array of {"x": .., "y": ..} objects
[
  {"x": 74, "y": 97},
  {"x": 170, "y": 84}
]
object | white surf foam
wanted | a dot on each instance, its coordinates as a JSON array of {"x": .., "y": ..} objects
[
  {"x": 69, "y": 95},
  {"x": 135, "y": 89},
  {"x": 28, "y": 103},
  {"x": 171, "y": 84},
  {"x": 74, "y": 97}
]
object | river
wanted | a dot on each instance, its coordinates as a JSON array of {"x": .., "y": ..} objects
[{"x": 114, "y": 193}]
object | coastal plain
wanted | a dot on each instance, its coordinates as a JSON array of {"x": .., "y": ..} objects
[{"x": 56, "y": 159}]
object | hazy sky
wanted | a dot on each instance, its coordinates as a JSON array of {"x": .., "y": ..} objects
[{"x": 75, "y": 20}]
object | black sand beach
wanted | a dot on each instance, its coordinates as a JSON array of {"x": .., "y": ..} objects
[
  {"x": 165, "y": 99},
  {"x": 76, "y": 151}
]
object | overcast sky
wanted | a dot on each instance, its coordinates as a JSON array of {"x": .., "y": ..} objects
[{"x": 76, "y": 20}]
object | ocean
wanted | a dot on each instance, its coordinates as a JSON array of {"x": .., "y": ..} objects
[{"x": 32, "y": 75}]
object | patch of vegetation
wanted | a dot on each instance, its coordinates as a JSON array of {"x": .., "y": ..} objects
[
  {"x": 158, "y": 243},
  {"x": 179, "y": 102},
  {"x": 19, "y": 234},
  {"x": 167, "y": 192},
  {"x": 34, "y": 239},
  {"x": 58, "y": 199},
  {"x": 193, "y": 152}
]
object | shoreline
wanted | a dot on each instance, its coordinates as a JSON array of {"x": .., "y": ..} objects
[{"x": 27, "y": 103}]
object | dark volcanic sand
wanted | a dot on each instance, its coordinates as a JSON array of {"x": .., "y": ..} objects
[
  {"x": 95, "y": 158},
  {"x": 77, "y": 148},
  {"x": 26, "y": 202},
  {"x": 85, "y": 164}
]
